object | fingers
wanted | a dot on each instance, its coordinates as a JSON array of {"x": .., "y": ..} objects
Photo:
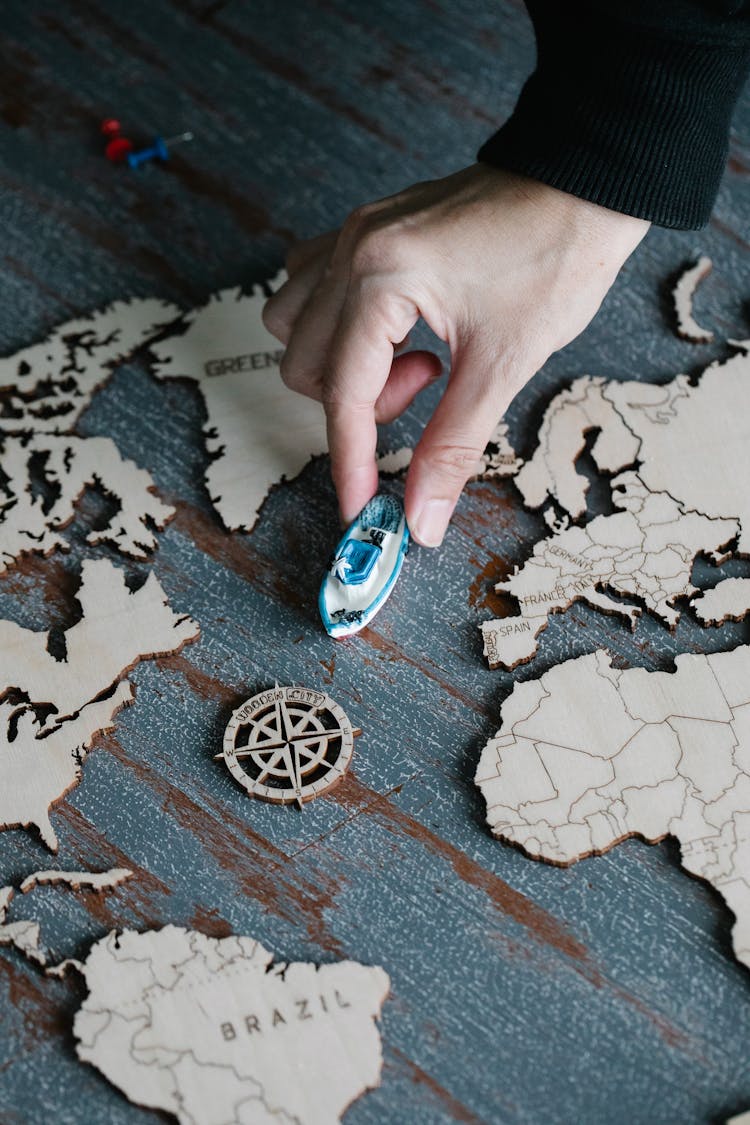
[
  {"x": 302, "y": 252},
  {"x": 342, "y": 325},
  {"x": 352, "y": 442},
  {"x": 453, "y": 442},
  {"x": 282, "y": 310},
  {"x": 409, "y": 374},
  {"x": 305, "y": 364},
  {"x": 360, "y": 361}
]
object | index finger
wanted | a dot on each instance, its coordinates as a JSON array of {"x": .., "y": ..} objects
[{"x": 359, "y": 364}]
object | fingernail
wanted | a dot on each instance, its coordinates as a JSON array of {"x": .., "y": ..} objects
[{"x": 431, "y": 523}]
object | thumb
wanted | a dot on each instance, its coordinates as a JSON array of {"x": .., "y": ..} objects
[{"x": 450, "y": 449}]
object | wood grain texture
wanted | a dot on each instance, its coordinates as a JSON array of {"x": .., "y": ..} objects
[{"x": 519, "y": 993}]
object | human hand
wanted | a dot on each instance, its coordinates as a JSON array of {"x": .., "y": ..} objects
[{"x": 505, "y": 269}]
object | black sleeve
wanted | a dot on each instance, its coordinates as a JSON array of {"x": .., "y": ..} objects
[{"x": 630, "y": 104}]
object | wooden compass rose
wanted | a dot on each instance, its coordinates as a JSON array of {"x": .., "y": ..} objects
[{"x": 288, "y": 744}]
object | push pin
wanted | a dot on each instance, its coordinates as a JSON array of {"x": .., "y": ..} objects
[
  {"x": 117, "y": 147},
  {"x": 159, "y": 150}
]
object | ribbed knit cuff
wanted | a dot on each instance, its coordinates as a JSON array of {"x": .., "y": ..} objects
[{"x": 623, "y": 117}]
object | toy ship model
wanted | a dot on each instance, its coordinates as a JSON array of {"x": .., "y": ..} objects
[{"x": 365, "y": 566}]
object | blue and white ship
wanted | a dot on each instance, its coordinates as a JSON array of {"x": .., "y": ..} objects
[{"x": 365, "y": 566}]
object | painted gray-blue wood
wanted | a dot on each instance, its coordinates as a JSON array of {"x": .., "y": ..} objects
[{"x": 521, "y": 993}]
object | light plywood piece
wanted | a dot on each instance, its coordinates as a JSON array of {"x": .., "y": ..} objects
[
  {"x": 213, "y": 1032},
  {"x": 6, "y": 894},
  {"x": 288, "y": 745},
  {"x": 396, "y": 461},
  {"x": 77, "y": 880},
  {"x": 498, "y": 460},
  {"x": 682, "y": 301},
  {"x": 39, "y": 768},
  {"x": 46, "y": 387},
  {"x": 588, "y": 755},
  {"x": 62, "y": 968},
  {"x": 679, "y": 504},
  {"x": 659, "y": 425},
  {"x": 22, "y": 935},
  {"x": 645, "y": 551},
  {"x": 259, "y": 432},
  {"x": 574, "y": 413},
  {"x": 25, "y": 936},
  {"x": 678, "y": 419},
  {"x": 68, "y": 465},
  {"x": 118, "y": 628},
  {"x": 729, "y": 600}
]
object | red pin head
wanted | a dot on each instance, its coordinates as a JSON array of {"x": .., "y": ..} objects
[{"x": 117, "y": 149}]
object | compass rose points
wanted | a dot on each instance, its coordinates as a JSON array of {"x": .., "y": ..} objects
[{"x": 288, "y": 745}]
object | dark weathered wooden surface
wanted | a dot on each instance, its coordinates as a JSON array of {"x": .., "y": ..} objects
[{"x": 521, "y": 993}]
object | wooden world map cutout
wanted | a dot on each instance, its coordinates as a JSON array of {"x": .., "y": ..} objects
[
  {"x": 670, "y": 505},
  {"x": 682, "y": 301},
  {"x": 64, "y": 704},
  {"x": 288, "y": 745},
  {"x": 213, "y": 1031},
  {"x": 588, "y": 755},
  {"x": 25, "y": 934},
  {"x": 258, "y": 432}
]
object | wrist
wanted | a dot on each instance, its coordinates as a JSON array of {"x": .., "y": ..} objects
[{"x": 564, "y": 218}]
